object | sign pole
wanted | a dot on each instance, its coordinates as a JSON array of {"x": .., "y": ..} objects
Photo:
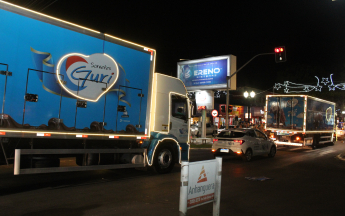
[
  {"x": 184, "y": 188},
  {"x": 216, "y": 201},
  {"x": 227, "y": 103},
  {"x": 203, "y": 126}
]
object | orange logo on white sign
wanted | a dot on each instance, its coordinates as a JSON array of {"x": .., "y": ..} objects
[{"x": 202, "y": 176}]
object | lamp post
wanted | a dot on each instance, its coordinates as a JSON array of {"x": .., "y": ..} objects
[{"x": 246, "y": 95}]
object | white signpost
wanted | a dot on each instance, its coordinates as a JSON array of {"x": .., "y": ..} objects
[{"x": 200, "y": 184}]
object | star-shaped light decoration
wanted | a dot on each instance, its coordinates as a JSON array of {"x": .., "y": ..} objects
[
  {"x": 286, "y": 90},
  {"x": 217, "y": 94},
  {"x": 286, "y": 83},
  {"x": 331, "y": 87},
  {"x": 325, "y": 81},
  {"x": 277, "y": 86},
  {"x": 306, "y": 88},
  {"x": 318, "y": 88}
]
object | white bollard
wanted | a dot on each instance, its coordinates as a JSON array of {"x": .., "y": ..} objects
[
  {"x": 184, "y": 188},
  {"x": 216, "y": 201}
]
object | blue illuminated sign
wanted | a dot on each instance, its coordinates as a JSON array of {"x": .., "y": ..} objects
[{"x": 205, "y": 73}]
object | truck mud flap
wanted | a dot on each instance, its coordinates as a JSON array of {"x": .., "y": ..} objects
[{"x": 19, "y": 152}]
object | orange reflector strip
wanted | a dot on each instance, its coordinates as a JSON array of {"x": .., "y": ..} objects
[
  {"x": 82, "y": 136},
  {"x": 43, "y": 134},
  {"x": 2, "y": 133},
  {"x": 114, "y": 137}
]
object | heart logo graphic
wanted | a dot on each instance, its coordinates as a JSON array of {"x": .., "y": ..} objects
[
  {"x": 87, "y": 77},
  {"x": 328, "y": 114}
]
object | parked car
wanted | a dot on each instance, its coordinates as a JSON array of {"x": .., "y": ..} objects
[
  {"x": 221, "y": 128},
  {"x": 196, "y": 129},
  {"x": 245, "y": 142}
]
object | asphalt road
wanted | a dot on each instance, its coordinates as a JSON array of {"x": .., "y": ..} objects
[{"x": 303, "y": 182}]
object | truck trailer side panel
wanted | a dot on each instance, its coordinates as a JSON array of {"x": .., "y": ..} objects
[
  {"x": 70, "y": 91},
  {"x": 300, "y": 120},
  {"x": 35, "y": 53}
]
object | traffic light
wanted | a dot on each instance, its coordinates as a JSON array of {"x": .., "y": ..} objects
[
  {"x": 280, "y": 54},
  {"x": 229, "y": 109}
]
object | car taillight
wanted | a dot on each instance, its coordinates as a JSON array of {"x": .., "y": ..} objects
[
  {"x": 215, "y": 140},
  {"x": 239, "y": 141}
]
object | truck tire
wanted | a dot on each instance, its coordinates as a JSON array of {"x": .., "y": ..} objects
[
  {"x": 273, "y": 152},
  {"x": 248, "y": 155},
  {"x": 164, "y": 160},
  {"x": 316, "y": 140}
]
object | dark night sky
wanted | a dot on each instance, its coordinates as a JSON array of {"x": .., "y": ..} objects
[{"x": 312, "y": 31}]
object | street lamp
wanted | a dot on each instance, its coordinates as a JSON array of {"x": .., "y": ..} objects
[
  {"x": 252, "y": 94},
  {"x": 246, "y": 94}
]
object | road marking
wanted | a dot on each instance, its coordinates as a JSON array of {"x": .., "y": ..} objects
[
  {"x": 340, "y": 157},
  {"x": 326, "y": 152}
]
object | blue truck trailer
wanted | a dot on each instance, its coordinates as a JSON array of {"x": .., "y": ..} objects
[
  {"x": 71, "y": 91},
  {"x": 300, "y": 120}
]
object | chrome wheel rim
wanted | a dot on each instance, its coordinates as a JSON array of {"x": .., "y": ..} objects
[{"x": 164, "y": 158}]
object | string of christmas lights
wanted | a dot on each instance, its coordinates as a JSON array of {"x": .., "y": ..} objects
[{"x": 290, "y": 87}]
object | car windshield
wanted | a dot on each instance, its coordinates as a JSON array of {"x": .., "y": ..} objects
[{"x": 231, "y": 134}]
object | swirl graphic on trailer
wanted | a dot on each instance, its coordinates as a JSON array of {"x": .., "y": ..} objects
[{"x": 89, "y": 77}]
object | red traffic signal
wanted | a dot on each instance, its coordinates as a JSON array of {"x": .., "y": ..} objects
[
  {"x": 280, "y": 54},
  {"x": 279, "y": 49}
]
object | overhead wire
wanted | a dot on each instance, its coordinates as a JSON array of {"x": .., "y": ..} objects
[
  {"x": 48, "y": 5},
  {"x": 31, "y": 3}
]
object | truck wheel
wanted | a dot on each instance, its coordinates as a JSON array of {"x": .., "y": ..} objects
[
  {"x": 273, "y": 152},
  {"x": 316, "y": 140},
  {"x": 248, "y": 155},
  {"x": 164, "y": 160}
]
